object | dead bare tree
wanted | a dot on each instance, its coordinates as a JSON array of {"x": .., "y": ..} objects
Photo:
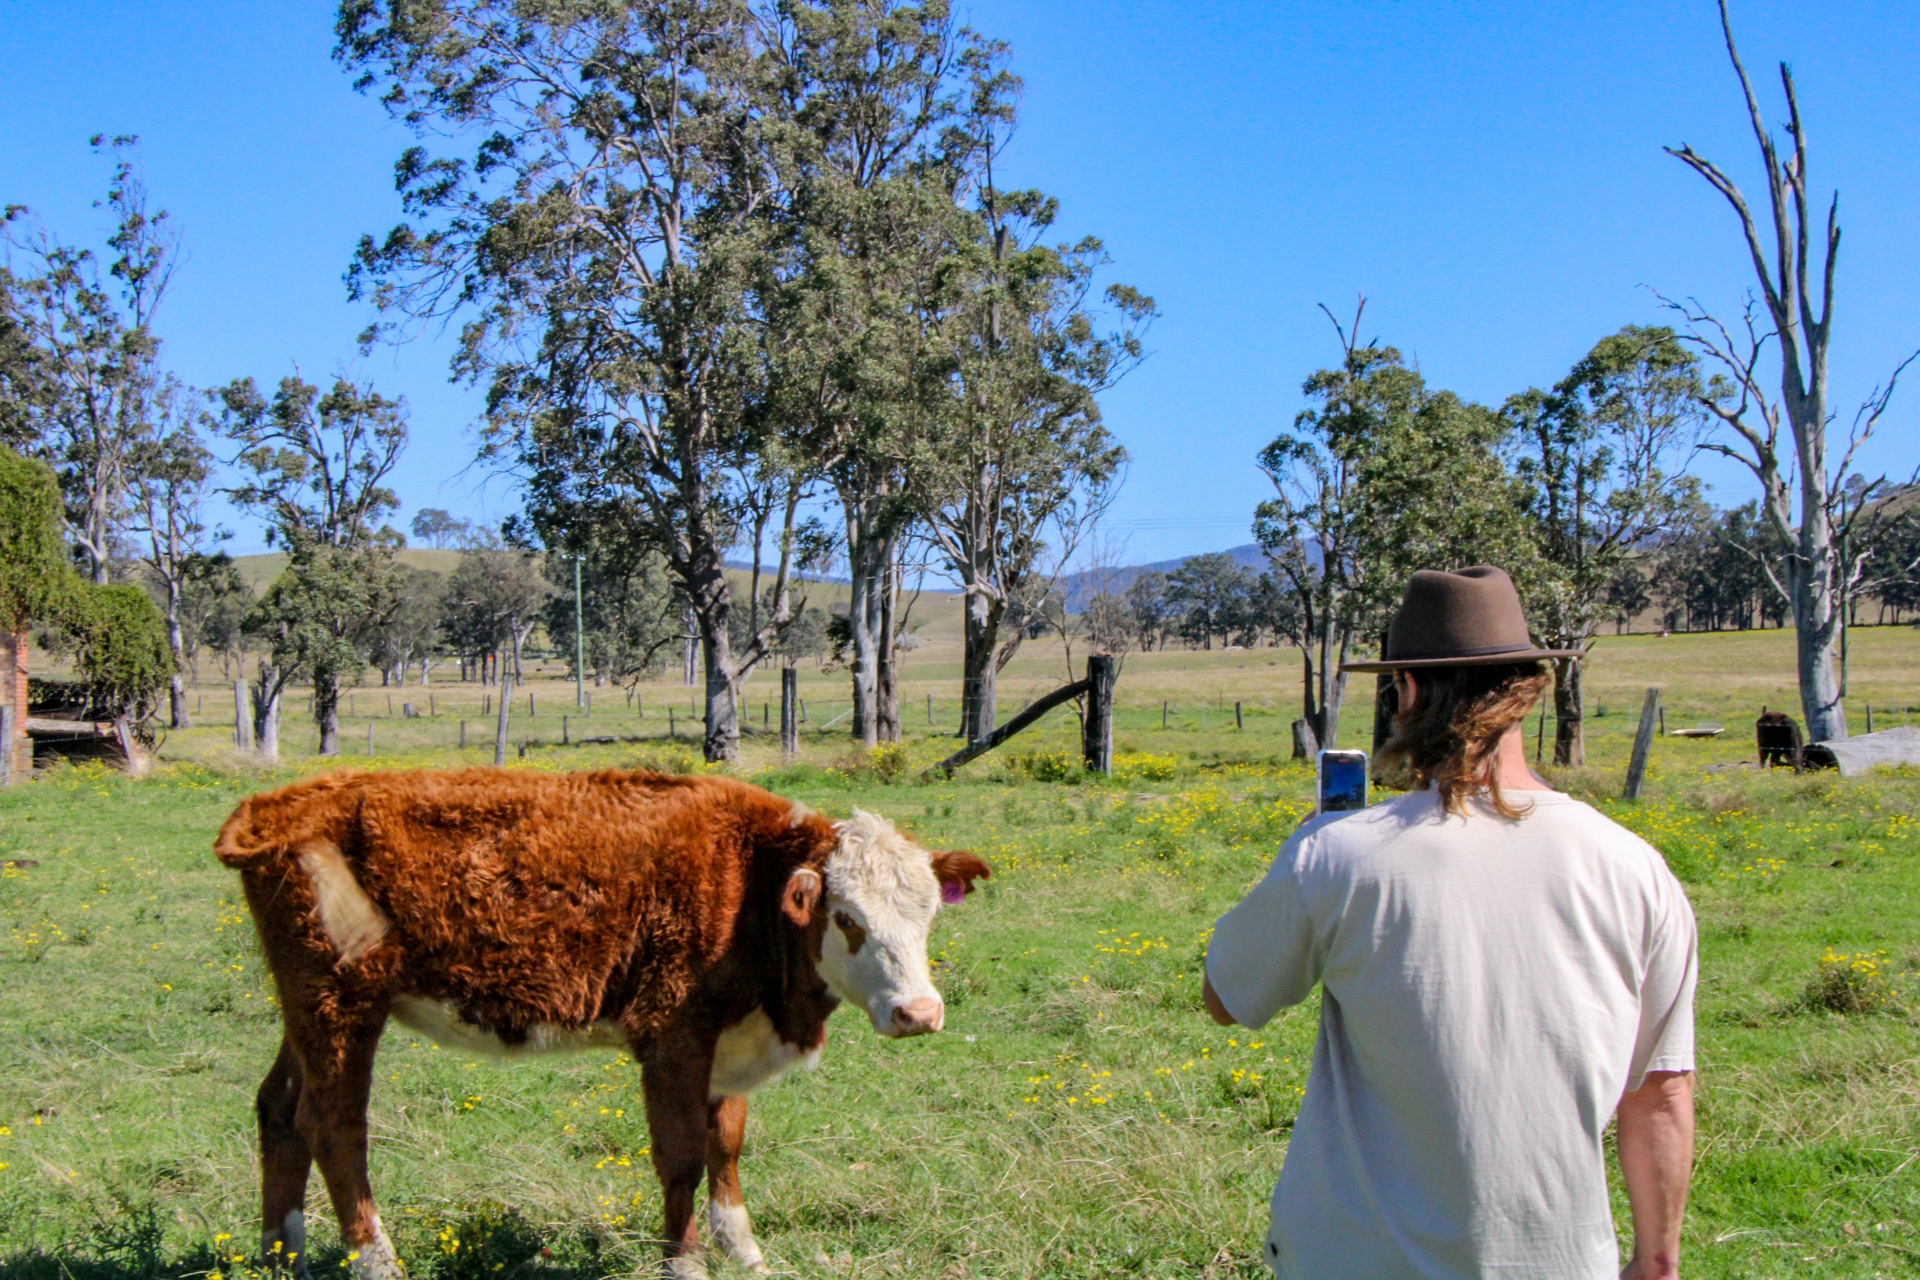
[{"x": 1797, "y": 293}]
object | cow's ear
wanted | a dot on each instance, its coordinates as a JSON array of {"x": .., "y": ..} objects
[
  {"x": 958, "y": 870},
  {"x": 802, "y": 896}
]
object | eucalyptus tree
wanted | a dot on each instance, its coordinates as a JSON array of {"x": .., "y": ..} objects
[
  {"x": 1211, "y": 592},
  {"x": 1381, "y": 475},
  {"x": 1011, "y": 463},
  {"x": 494, "y": 598},
  {"x": 409, "y": 631},
  {"x": 1148, "y": 611},
  {"x": 627, "y": 604},
  {"x": 893, "y": 105},
  {"x": 611, "y": 239},
  {"x": 314, "y": 467},
  {"x": 79, "y": 354},
  {"x": 171, "y": 479},
  {"x": 1601, "y": 458},
  {"x": 1803, "y": 478}
]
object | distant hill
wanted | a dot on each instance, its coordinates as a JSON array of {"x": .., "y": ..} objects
[{"x": 1081, "y": 587}]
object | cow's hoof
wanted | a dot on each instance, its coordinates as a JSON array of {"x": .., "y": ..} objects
[
  {"x": 685, "y": 1267},
  {"x": 732, "y": 1231},
  {"x": 376, "y": 1259}
]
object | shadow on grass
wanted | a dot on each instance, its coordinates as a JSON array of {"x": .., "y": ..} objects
[
  {"x": 484, "y": 1241},
  {"x": 56, "y": 1265}
]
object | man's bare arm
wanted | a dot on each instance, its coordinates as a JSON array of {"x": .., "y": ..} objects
[
  {"x": 1655, "y": 1132},
  {"x": 1215, "y": 1009}
]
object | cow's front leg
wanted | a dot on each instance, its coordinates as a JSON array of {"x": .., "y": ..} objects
[
  {"x": 727, "y": 1219},
  {"x": 675, "y": 1081}
]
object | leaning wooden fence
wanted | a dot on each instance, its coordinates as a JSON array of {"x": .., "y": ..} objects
[{"x": 1096, "y": 736}]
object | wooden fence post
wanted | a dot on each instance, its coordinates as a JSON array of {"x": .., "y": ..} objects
[
  {"x": 500, "y": 728},
  {"x": 1096, "y": 739},
  {"x": 369, "y": 737},
  {"x": 242, "y": 722},
  {"x": 565, "y": 741},
  {"x": 128, "y": 747},
  {"x": 1163, "y": 715},
  {"x": 463, "y": 733},
  {"x": 1642, "y": 745},
  {"x": 929, "y": 708},
  {"x": 790, "y": 711},
  {"x": 1238, "y": 721},
  {"x": 671, "y": 731},
  {"x": 7, "y": 745},
  {"x": 1869, "y": 717}
]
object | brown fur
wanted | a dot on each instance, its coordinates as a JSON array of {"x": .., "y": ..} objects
[{"x": 667, "y": 905}]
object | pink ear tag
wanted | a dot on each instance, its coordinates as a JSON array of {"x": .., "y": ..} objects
[{"x": 953, "y": 892}]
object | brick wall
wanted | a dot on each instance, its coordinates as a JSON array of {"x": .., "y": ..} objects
[{"x": 13, "y": 653}]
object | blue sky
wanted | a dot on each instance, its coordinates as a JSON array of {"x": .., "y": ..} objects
[{"x": 1489, "y": 174}]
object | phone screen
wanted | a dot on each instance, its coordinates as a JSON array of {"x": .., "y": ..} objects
[{"x": 1343, "y": 780}]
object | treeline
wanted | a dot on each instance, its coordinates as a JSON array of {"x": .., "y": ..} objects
[
  {"x": 1708, "y": 573},
  {"x": 736, "y": 279},
  {"x": 1582, "y": 490}
]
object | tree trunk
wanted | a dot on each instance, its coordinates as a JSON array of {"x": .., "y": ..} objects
[
  {"x": 1569, "y": 709},
  {"x": 177, "y": 715},
  {"x": 888, "y": 690},
  {"x": 1332, "y": 686},
  {"x": 326, "y": 711},
  {"x": 723, "y": 711},
  {"x": 266, "y": 715},
  {"x": 865, "y": 571},
  {"x": 981, "y": 631},
  {"x": 1816, "y": 645}
]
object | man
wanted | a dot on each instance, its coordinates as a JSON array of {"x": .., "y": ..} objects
[{"x": 1502, "y": 969}]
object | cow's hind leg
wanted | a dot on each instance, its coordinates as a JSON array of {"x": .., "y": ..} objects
[
  {"x": 676, "y": 1091},
  {"x": 727, "y": 1219},
  {"x": 332, "y": 1117},
  {"x": 285, "y": 1162}
]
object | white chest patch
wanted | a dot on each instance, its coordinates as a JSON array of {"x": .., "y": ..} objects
[
  {"x": 751, "y": 1054},
  {"x": 441, "y": 1023}
]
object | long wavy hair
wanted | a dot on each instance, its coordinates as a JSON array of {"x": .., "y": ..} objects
[{"x": 1450, "y": 737}]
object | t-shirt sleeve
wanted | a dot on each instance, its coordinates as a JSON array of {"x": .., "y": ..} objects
[
  {"x": 1263, "y": 956},
  {"x": 1665, "y": 1038}
]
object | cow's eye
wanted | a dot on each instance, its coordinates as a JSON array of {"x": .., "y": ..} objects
[{"x": 844, "y": 920}]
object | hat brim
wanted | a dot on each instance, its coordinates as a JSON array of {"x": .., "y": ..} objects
[{"x": 1478, "y": 660}]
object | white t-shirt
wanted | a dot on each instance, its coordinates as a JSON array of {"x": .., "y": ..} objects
[{"x": 1492, "y": 987}]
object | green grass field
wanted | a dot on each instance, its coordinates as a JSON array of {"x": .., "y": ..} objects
[{"x": 1078, "y": 1118}]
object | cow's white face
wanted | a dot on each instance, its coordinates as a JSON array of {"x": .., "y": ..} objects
[{"x": 882, "y": 892}]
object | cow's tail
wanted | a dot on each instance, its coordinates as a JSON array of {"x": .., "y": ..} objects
[{"x": 241, "y": 844}]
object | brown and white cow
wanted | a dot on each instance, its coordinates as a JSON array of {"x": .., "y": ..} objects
[{"x": 701, "y": 923}]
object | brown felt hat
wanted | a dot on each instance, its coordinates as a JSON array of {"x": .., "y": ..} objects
[{"x": 1467, "y": 619}]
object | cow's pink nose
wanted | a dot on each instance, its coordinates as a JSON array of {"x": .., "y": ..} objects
[{"x": 917, "y": 1017}]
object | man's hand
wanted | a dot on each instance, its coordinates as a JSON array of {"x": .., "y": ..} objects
[
  {"x": 1215, "y": 1009},
  {"x": 1655, "y": 1132}
]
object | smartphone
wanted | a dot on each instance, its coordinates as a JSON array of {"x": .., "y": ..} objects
[{"x": 1343, "y": 780}]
